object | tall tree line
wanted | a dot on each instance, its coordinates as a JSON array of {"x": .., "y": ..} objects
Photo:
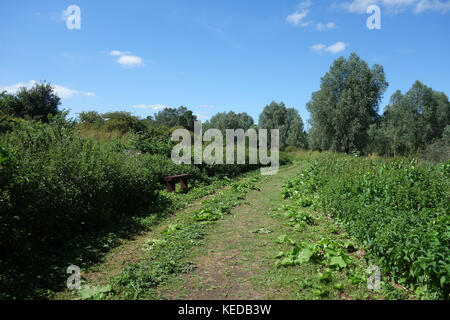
[{"x": 344, "y": 113}]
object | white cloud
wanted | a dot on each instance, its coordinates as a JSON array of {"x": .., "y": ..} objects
[
  {"x": 126, "y": 59},
  {"x": 334, "y": 48},
  {"x": 434, "y": 5},
  {"x": 318, "y": 47},
  {"x": 130, "y": 61},
  {"x": 115, "y": 53},
  {"x": 337, "y": 47},
  {"x": 305, "y": 4},
  {"x": 297, "y": 17},
  {"x": 150, "y": 106},
  {"x": 61, "y": 91},
  {"x": 328, "y": 26},
  {"x": 357, "y": 6},
  {"x": 395, "y": 6}
]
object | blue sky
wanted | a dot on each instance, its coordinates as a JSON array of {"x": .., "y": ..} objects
[{"x": 214, "y": 56}]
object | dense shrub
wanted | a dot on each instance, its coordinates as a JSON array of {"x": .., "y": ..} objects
[
  {"x": 56, "y": 186},
  {"x": 151, "y": 143},
  {"x": 398, "y": 208}
]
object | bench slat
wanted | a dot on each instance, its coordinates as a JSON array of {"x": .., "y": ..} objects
[{"x": 170, "y": 178}]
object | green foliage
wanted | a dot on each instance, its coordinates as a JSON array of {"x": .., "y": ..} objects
[
  {"x": 36, "y": 102},
  {"x": 397, "y": 208},
  {"x": 64, "y": 197},
  {"x": 122, "y": 121},
  {"x": 91, "y": 117},
  {"x": 230, "y": 120},
  {"x": 327, "y": 252},
  {"x": 171, "y": 117},
  {"x": 8, "y": 104},
  {"x": 288, "y": 121},
  {"x": 56, "y": 186},
  {"x": 346, "y": 105},
  {"x": 94, "y": 292},
  {"x": 411, "y": 122},
  {"x": 298, "y": 218},
  {"x": 216, "y": 207},
  {"x": 151, "y": 143}
]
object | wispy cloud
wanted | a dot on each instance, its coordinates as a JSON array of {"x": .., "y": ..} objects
[
  {"x": 334, "y": 48},
  {"x": 318, "y": 47},
  {"x": 297, "y": 18},
  {"x": 126, "y": 59},
  {"x": 305, "y": 4},
  {"x": 337, "y": 47},
  {"x": 61, "y": 91},
  {"x": 324, "y": 27},
  {"x": 396, "y": 6},
  {"x": 435, "y": 5},
  {"x": 155, "y": 107}
]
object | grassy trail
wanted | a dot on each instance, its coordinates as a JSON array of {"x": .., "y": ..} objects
[{"x": 236, "y": 258}]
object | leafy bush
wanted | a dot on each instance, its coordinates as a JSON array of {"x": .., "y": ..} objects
[
  {"x": 398, "y": 208},
  {"x": 56, "y": 186},
  {"x": 150, "y": 143}
]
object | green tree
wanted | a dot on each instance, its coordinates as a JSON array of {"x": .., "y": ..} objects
[
  {"x": 230, "y": 120},
  {"x": 8, "y": 104},
  {"x": 36, "y": 102},
  {"x": 91, "y": 117},
  {"x": 123, "y": 121},
  {"x": 288, "y": 121},
  {"x": 346, "y": 105},
  {"x": 413, "y": 121},
  {"x": 171, "y": 117}
]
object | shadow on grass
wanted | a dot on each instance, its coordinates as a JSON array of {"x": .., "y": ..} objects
[{"x": 42, "y": 271}]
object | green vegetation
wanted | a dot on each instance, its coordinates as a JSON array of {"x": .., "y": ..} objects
[
  {"x": 67, "y": 198},
  {"x": 230, "y": 120},
  {"x": 288, "y": 121},
  {"x": 240, "y": 255},
  {"x": 413, "y": 122},
  {"x": 165, "y": 255},
  {"x": 345, "y": 106},
  {"x": 36, "y": 102},
  {"x": 73, "y": 189},
  {"x": 344, "y": 115},
  {"x": 398, "y": 209},
  {"x": 171, "y": 117}
]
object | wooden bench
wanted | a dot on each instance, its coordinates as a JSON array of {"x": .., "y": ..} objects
[{"x": 172, "y": 180}]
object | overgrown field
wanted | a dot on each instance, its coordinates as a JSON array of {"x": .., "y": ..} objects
[
  {"x": 398, "y": 209},
  {"x": 65, "y": 198}
]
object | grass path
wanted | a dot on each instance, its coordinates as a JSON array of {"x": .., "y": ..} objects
[
  {"x": 233, "y": 255},
  {"x": 236, "y": 258},
  {"x": 238, "y": 262}
]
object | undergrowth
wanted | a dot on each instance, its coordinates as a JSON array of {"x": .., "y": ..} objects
[{"x": 396, "y": 208}]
